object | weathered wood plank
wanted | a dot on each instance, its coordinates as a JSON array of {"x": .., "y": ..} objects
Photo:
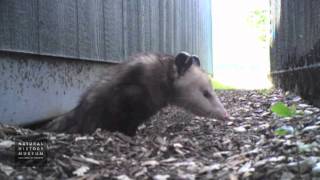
[
  {"x": 144, "y": 25},
  {"x": 162, "y": 25},
  {"x": 191, "y": 26},
  {"x": 4, "y": 25},
  {"x": 170, "y": 27},
  {"x": 125, "y": 28},
  {"x": 132, "y": 27},
  {"x": 21, "y": 19},
  {"x": 195, "y": 25},
  {"x": 91, "y": 29},
  {"x": 155, "y": 29},
  {"x": 184, "y": 28},
  {"x": 177, "y": 25},
  {"x": 58, "y": 28},
  {"x": 114, "y": 28}
]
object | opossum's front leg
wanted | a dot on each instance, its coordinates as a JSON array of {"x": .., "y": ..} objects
[
  {"x": 135, "y": 108},
  {"x": 129, "y": 130}
]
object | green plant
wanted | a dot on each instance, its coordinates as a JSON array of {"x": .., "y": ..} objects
[
  {"x": 259, "y": 20},
  {"x": 218, "y": 85},
  {"x": 282, "y": 110},
  {"x": 284, "y": 130},
  {"x": 265, "y": 92}
]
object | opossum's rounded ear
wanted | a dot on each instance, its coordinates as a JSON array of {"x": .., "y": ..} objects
[
  {"x": 183, "y": 62},
  {"x": 195, "y": 60}
]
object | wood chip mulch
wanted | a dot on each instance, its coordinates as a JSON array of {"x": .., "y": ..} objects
[{"x": 178, "y": 145}]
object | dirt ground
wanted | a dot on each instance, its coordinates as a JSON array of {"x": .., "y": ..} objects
[{"x": 178, "y": 145}]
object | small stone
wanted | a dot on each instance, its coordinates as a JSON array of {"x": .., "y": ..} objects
[
  {"x": 123, "y": 177},
  {"x": 141, "y": 172},
  {"x": 277, "y": 159},
  {"x": 287, "y": 176},
  {"x": 316, "y": 170},
  {"x": 6, "y": 144},
  {"x": 307, "y": 112},
  {"x": 81, "y": 171},
  {"x": 229, "y": 123},
  {"x": 265, "y": 114},
  {"x": 8, "y": 170},
  {"x": 169, "y": 160},
  {"x": 184, "y": 175},
  {"x": 248, "y": 118},
  {"x": 304, "y": 165},
  {"x": 151, "y": 163},
  {"x": 20, "y": 177},
  {"x": 303, "y": 105},
  {"x": 161, "y": 177},
  {"x": 246, "y": 168},
  {"x": 221, "y": 154},
  {"x": 240, "y": 129},
  {"x": 90, "y": 160},
  {"x": 296, "y": 99},
  {"x": 286, "y": 119},
  {"x": 177, "y": 145},
  {"x": 294, "y": 166},
  {"x": 260, "y": 163},
  {"x": 210, "y": 168},
  {"x": 84, "y": 138},
  {"x": 310, "y": 128},
  {"x": 304, "y": 147},
  {"x": 312, "y": 160},
  {"x": 264, "y": 126},
  {"x": 313, "y": 109}
]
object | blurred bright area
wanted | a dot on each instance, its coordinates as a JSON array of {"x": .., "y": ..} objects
[{"x": 241, "y": 43}]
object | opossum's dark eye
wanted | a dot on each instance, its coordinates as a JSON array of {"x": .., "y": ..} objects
[{"x": 206, "y": 94}]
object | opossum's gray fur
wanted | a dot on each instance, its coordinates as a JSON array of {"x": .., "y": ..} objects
[
  {"x": 127, "y": 96},
  {"x": 122, "y": 100}
]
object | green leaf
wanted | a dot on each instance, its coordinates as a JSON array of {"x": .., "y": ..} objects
[
  {"x": 281, "y": 132},
  {"x": 284, "y": 130},
  {"x": 282, "y": 110}
]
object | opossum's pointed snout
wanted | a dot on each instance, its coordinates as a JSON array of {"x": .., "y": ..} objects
[
  {"x": 222, "y": 115},
  {"x": 226, "y": 116}
]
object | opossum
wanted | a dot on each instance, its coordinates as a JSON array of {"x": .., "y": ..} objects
[{"x": 135, "y": 90}]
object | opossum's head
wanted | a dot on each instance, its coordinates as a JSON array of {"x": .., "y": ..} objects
[{"x": 193, "y": 89}]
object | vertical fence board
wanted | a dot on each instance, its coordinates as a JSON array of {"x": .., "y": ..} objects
[
  {"x": 170, "y": 27},
  {"x": 162, "y": 25},
  {"x": 113, "y": 16},
  {"x": 23, "y": 17},
  {"x": 4, "y": 25},
  {"x": 133, "y": 28},
  {"x": 145, "y": 25},
  {"x": 91, "y": 29},
  {"x": 155, "y": 29},
  {"x": 105, "y": 29},
  {"x": 177, "y": 25},
  {"x": 58, "y": 28},
  {"x": 294, "y": 52}
]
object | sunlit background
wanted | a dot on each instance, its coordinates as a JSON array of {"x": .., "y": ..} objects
[{"x": 241, "y": 43}]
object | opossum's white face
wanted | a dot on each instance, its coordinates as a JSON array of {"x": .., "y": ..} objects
[{"x": 194, "y": 91}]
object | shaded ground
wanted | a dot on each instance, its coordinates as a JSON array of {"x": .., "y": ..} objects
[{"x": 178, "y": 145}]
